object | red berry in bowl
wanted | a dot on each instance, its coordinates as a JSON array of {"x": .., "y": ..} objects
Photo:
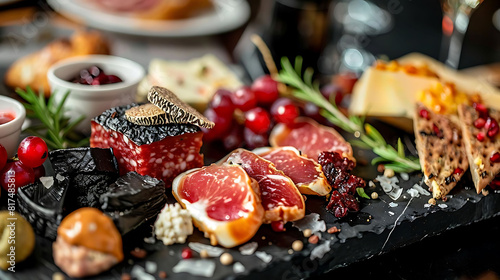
[
  {"x": 257, "y": 120},
  {"x": 244, "y": 99},
  {"x": 222, "y": 125},
  {"x": 114, "y": 79},
  {"x": 284, "y": 111},
  {"x": 266, "y": 90},
  {"x": 221, "y": 103},
  {"x": 32, "y": 151},
  {"x": 16, "y": 174},
  {"x": 3, "y": 157}
]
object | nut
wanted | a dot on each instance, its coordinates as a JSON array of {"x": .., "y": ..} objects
[
  {"x": 432, "y": 201},
  {"x": 138, "y": 253},
  {"x": 389, "y": 173},
  {"x": 204, "y": 254},
  {"x": 374, "y": 195},
  {"x": 58, "y": 276},
  {"x": 162, "y": 274},
  {"x": 297, "y": 245},
  {"x": 333, "y": 230},
  {"x": 226, "y": 259},
  {"x": 307, "y": 232}
]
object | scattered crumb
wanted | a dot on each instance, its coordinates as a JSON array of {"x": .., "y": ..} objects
[
  {"x": 226, "y": 259},
  {"x": 413, "y": 192},
  {"x": 204, "y": 254},
  {"x": 380, "y": 168},
  {"x": 432, "y": 201},
  {"x": 371, "y": 184},
  {"x": 150, "y": 240},
  {"x": 297, "y": 245},
  {"x": 263, "y": 256},
  {"x": 485, "y": 192},
  {"x": 374, "y": 195},
  {"x": 162, "y": 274},
  {"x": 269, "y": 243},
  {"x": 263, "y": 238},
  {"x": 58, "y": 276},
  {"x": 392, "y": 204},
  {"x": 249, "y": 248},
  {"x": 320, "y": 251},
  {"x": 126, "y": 276},
  {"x": 151, "y": 267},
  {"x": 138, "y": 253},
  {"x": 307, "y": 233},
  {"x": 443, "y": 206},
  {"x": 130, "y": 261},
  {"x": 238, "y": 268},
  {"x": 389, "y": 173},
  {"x": 333, "y": 229},
  {"x": 313, "y": 239},
  {"x": 391, "y": 213},
  {"x": 290, "y": 251}
]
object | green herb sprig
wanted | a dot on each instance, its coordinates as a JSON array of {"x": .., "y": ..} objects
[
  {"x": 56, "y": 129},
  {"x": 305, "y": 89}
]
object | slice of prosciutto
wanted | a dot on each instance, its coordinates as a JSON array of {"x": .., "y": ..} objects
[
  {"x": 305, "y": 173},
  {"x": 281, "y": 199},
  {"x": 309, "y": 137}
]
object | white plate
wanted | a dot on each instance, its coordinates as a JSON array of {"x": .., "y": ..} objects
[{"x": 225, "y": 16}]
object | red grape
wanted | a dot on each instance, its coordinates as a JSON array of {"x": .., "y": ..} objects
[
  {"x": 222, "y": 125},
  {"x": 244, "y": 99},
  {"x": 221, "y": 103},
  {"x": 284, "y": 111},
  {"x": 32, "y": 151},
  {"x": 234, "y": 138},
  {"x": 266, "y": 90},
  {"x": 258, "y": 120},
  {"x": 3, "y": 156},
  {"x": 254, "y": 140},
  {"x": 16, "y": 174}
]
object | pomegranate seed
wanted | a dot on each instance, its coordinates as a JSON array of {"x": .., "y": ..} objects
[
  {"x": 222, "y": 125},
  {"x": 32, "y": 151},
  {"x": 16, "y": 174},
  {"x": 479, "y": 123},
  {"x": 495, "y": 157},
  {"x": 437, "y": 131},
  {"x": 284, "y": 111},
  {"x": 480, "y": 137},
  {"x": 221, "y": 103},
  {"x": 265, "y": 89},
  {"x": 186, "y": 253},
  {"x": 424, "y": 114},
  {"x": 257, "y": 120},
  {"x": 278, "y": 226},
  {"x": 3, "y": 157},
  {"x": 481, "y": 109},
  {"x": 244, "y": 99},
  {"x": 458, "y": 170},
  {"x": 492, "y": 126}
]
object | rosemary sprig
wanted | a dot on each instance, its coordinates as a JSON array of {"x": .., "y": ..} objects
[
  {"x": 56, "y": 129},
  {"x": 305, "y": 89}
]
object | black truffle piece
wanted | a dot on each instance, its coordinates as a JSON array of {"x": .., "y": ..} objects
[
  {"x": 90, "y": 172},
  {"x": 133, "y": 200},
  {"x": 43, "y": 208},
  {"x": 114, "y": 119}
]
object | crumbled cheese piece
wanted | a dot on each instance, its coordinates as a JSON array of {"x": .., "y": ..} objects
[
  {"x": 371, "y": 184},
  {"x": 47, "y": 182},
  {"x": 421, "y": 190},
  {"x": 390, "y": 186},
  {"x": 392, "y": 205},
  {"x": 427, "y": 205},
  {"x": 404, "y": 176},
  {"x": 238, "y": 268},
  {"x": 413, "y": 192},
  {"x": 173, "y": 224},
  {"x": 443, "y": 206},
  {"x": 319, "y": 251},
  {"x": 211, "y": 250},
  {"x": 197, "y": 267},
  {"x": 311, "y": 222},
  {"x": 249, "y": 248},
  {"x": 263, "y": 256}
]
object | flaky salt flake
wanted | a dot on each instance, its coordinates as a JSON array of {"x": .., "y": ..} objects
[
  {"x": 413, "y": 192},
  {"x": 427, "y": 205},
  {"x": 395, "y": 193},
  {"x": 197, "y": 267},
  {"x": 238, "y": 268},
  {"x": 263, "y": 256},
  {"x": 319, "y": 251},
  {"x": 390, "y": 213},
  {"x": 392, "y": 205},
  {"x": 211, "y": 250},
  {"x": 138, "y": 272},
  {"x": 151, "y": 267},
  {"x": 421, "y": 190},
  {"x": 404, "y": 176},
  {"x": 311, "y": 222},
  {"x": 47, "y": 182},
  {"x": 443, "y": 206},
  {"x": 59, "y": 177},
  {"x": 249, "y": 248}
]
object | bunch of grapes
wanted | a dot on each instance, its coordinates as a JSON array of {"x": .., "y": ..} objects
[{"x": 27, "y": 167}]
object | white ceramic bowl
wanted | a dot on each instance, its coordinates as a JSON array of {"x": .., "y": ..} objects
[
  {"x": 9, "y": 132},
  {"x": 92, "y": 100}
]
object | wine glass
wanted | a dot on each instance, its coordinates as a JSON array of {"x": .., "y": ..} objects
[{"x": 456, "y": 17}]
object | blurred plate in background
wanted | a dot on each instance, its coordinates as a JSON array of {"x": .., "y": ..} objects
[{"x": 223, "y": 17}]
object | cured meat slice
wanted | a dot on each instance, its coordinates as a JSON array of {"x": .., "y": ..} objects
[
  {"x": 305, "y": 173},
  {"x": 280, "y": 197},
  {"x": 482, "y": 143},
  {"x": 160, "y": 151},
  {"x": 223, "y": 201},
  {"x": 440, "y": 149},
  {"x": 309, "y": 137}
]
